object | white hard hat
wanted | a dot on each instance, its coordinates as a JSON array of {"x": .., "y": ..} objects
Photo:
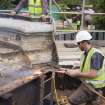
[{"x": 83, "y": 35}]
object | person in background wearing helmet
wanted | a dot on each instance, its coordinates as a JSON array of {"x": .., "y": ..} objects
[
  {"x": 35, "y": 7},
  {"x": 91, "y": 71}
]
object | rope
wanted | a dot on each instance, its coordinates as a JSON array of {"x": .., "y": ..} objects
[
  {"x": 60, "y": 100},
  {"x": 55, "y": 91}
]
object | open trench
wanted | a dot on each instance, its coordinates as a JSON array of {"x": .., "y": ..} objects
[{"x": 66, "y": 86}]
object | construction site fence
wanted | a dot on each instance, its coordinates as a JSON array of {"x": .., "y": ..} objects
[{"x": 71, "y": 35}]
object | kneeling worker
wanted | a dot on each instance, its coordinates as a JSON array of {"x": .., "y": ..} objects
[{"x": 91, "y": 71}]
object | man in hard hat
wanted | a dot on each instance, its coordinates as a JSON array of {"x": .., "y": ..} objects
[
  {"x": 35, "y": 7},
  {"x": 91, "y": 71}
]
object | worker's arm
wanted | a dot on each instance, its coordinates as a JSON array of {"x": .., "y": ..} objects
[
  {"x": 78, "y": 73},
  {"x": 19, "y": 6},
  {"x": 44, "y": 7},
  {"x": 44, "y": 10},
  {"x": 96, "y": 64},
  {"x": 70, "y": 72}
]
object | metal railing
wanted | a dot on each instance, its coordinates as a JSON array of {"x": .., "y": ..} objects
[{"x": 81, "y": 13}]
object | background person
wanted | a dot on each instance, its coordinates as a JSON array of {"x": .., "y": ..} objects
[{"x": 35, "y": 7}]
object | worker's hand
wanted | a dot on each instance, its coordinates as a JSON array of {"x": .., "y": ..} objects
[
  {"x": 44, "y": 17},
  {"x": 13, "y": 13},
  {"x": 60, "y": 72},
  {"x": 38, "y": 72}
]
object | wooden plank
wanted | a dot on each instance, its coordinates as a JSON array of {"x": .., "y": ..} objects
[{"x": 18, "y": 82}]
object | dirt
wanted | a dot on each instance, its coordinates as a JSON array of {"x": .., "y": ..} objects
[{"x": 69, "y": 92}]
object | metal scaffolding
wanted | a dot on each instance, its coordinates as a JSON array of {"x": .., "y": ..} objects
[{"x": 82, "y": 13}]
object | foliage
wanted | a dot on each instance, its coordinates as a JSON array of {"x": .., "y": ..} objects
[
  {"x": 70, "y": 2},
  {"x": 99, "y": 20},
  {"x": 100, "y": 5},
  {"x": 5, "y": 4}
]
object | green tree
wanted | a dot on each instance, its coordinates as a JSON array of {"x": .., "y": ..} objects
[
  {"x": 100, "y": 5},
  {"x": 69, "y": 2},
  {"x": 5, "y": 4},
  {"x": 99, "y": 20}
]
